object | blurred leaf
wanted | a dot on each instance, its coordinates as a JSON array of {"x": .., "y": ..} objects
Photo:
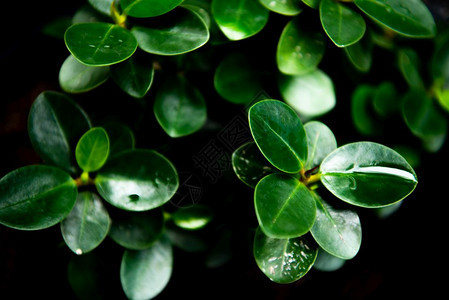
[
  {"x": 361, "y": 112},
  {"x": 312, "y": 3},
  {"x": 121, "y": 137},
  {"x": 193, "y": 217},
  {"x": 57, "y": 27},
  {"x": 360, "y": 54},
  {"x": 327, "y": 263},
  {"x": 386, "y": 99},
  {"x": 408, "y": 62},
  {"x": 103, "y": 6},
  {"x": 133, "y": 76},
  {"x": 148, "y": 8}
]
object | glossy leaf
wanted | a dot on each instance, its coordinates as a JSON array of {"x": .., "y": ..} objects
[
  {"x": 368, "y": 174},
  {"x": 87, "y": 225},
  {"x": 36, "y": 197},
  {"x": 179, "y": 32},
  {"x": 147, "y": 8},
  {"x": 249, "y": 164},
  {"x": 408, "y": 62},
  {"x": 137, "y": 230},
  {"x": 299, "y": 49},
  {"x": 55, "y": 125},
  {"x": 99, "y": 44},
  {"x": 121, "y": 137},
  {"x": 179, "y": 107},
  {"x": 312, "y": 3},
  {"x": 279, "y": 134},
  {"x": 192, "y": 217},
  {"x": 283, "y": 260},
  {"x": 360, "y": 54},
  {"x": 133, "y": 76},
  {"x": 103, "y": 6},
  {"x": 409, "y": 18},
  {"x": 239, "y": 19},
  {"x": 337, "y": 231},
  {"x": 137, "y": 180},
  {"x": 320, "y": 142},
  {"x": 310, "y": 95},
  {"x": 327, "y": 263},
  {"x": 283, "y": 7},
  {"x": 284, "y": 206},
  {"x": 343, "y": 25},
  {"x": 145, "y": 273},
  {"x": 92, "y": 149},
  {"x": 361, "y": 110}
]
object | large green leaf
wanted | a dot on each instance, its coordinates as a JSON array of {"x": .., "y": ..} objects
[
  {"x": 300, "y": 49},
  {"x": 145, "y": 273},
  {"x": 283, "y": 260},
  {"x": 87, "y": 225},
  {"x": 311, "y": 94},
  {"x": 410, "y": 18},
  {"x": 137, "y": 180},
  {"x": 36, "y": 197},
  {"x": 339, "y": 232},
  {"x": 239, "y": 19},
  {"x": 148, "y": 8},
  {"x": 100, "y": 44},
  {"x": 55, "y": 125},
  {"x": 283, "y": 7},
  {"x": 320, "y": 142},
  {"x": 92, "y": 149},
  {"x": 179, "y": 107},
  {"x": 192, "y": 217},
  {"x": 284, "y": 206},
  {"x": 368, "y": 174},
  {"x": 279, "y": 134},
  {"x": 176, "y": 33},
  {"x": 343, "y": 25},
  {"x": 134, "y": 76}
]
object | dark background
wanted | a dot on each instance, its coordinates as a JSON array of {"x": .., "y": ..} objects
[{"x": 400, "y": 256}]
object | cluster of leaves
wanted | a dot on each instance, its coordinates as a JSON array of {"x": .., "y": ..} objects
[{"x": 286, "y": 164}]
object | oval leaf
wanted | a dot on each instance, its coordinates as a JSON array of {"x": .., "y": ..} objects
[
  {"x": 360, "y": 54},
  {"x": 133, "y": 76},
  {"x": 283, "y": 260},
  {"x": 284, "y": 206},
  {"x": 147, "y": 8},
  {"x": 87, "y": 225},
  {"x": 92, "y": 149},
  {"x": 408, "y": 62},
  {"x": 283, "y": 7},
  {"x": 103, "y": 6},
  {"x": 312, "y": 3},
  {"x": 192, "y": 217},
  {"x": 368, "y": 174},
  {"x": 36, "y": 197},
  {"x": 137, "y": 180},
  {"x": 327, "y": 263},
  {"x": 121, "y": 137},
  {"x": 99, "y": 44},
  {"x": 279, "y": 134},
  {"x": 361, "y": 110},
  {"x": 145, "y": 273},
  {"x": 320, "y": 142}
]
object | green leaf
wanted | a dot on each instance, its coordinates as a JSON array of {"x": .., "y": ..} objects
[
  {"x": 299, "y": 49},
  {"x": 367, "y": 174},
  {"x": 320, "y": 142},
  {"x": 409, "y": 18},
  {"x": 279, "y": 134},
  {"x": 310, "y": 95},
  {"x": 103, "y": 6},
  {"x": 36, "y": 197},
  {"x": 361, "y": 110},
  {"x": 179, "y": 107},
  {"x": 284, "y": 206},
  {"x": 439, "y": 63},
  {"x": 385, "y": 99},
  {"x": 360, "y": 54},
  {"x": 188, "y": 241},
  {"x": 283, "y": 7},
  {"x": 137, "y": 180},
  {"x": 249, "y": 164},
  {"x": 442, "y": 96},
  {"x": 192, "y": 217},
  {"x": 408, "y": 62},
  {"x": 87, "y": 14},
  {"x": 92, "y": 149},
  {"x": 137, "y": 230},
  {"x": 147, "y": 8},
  {"x": 229, "y": 75},
  {"x": 85, "y": 274},
  {"x": 239, "y": 19},
  {"x": 99, "y": 44},
  {"x": 343, "y": 25},
  {"x": 176, "y": 33},
  {"x": 283, "y": 260},
  {"x": 55, "y": 125},
  {"x": 327, "y": 263},
  {"x": 133, "y": 76},
  {"x": 145, "y": 273},
  {"x": 121, "y": 137},
  {"x": 339, "y": 232},
  {"x": 312, "y": 3},
  {"x": 87, "y": 225}
]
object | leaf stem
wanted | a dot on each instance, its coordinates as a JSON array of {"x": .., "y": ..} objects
[
  {"x": 84, "y": 180},
  {"x": 119, "y": 18}
]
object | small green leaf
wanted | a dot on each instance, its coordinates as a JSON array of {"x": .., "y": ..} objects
[
  {"x": 361, "y": 110},
  {"x": 284, "y": 206},
  {"x": 367, "y": 174},
  {"x": 99, "y": 44},
  {"x": 299, "y": 49},
  {"x": 279, "y": 134},
  {"x": 439, "y": 64},
  {"x": 192, "y": 217},
  {"x": 87, "y": 225},
  {"x": 310, "y": 95},
  {"x": 87, "y": 14},
  {"x": 55, "y": 124},
  {"x": 327, "y": 263},
  {"x": 147, "y": 8},
  {"x": 283, "y": 260},
  {"x": 312, "y": 3},
  {"x": 103, "y": 6},
  {"x": 343, "y": 25},
  {"x": 179, "y": 107},
  {"x": 121, "y": 137},
  {"x": 36, "y": 197},
  {"x": 408, "y": 62},
  {"x": 179, "y": 32},
  {"x": 145, "y": 273},
  {"x": 283, "y": 7},
  {"x": 409, "y": 18},
  {"x": 133, "y": 76},
  {"x": 360, "y": 54},
  {"x": 137, "y": 180},
  {"x": 320, "y": 142},
  {"x": 385, "y": 99},
  {"x": 239, "y": 19},
  {"x": 92, "y": 149}
]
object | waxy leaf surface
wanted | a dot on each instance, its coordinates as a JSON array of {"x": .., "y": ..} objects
[
  {"x": 283, "y": 7},
  {"x": 92, "y": 149},
  {"x": 320, "y": 142},
  {"x": 133, "y": 76}
]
